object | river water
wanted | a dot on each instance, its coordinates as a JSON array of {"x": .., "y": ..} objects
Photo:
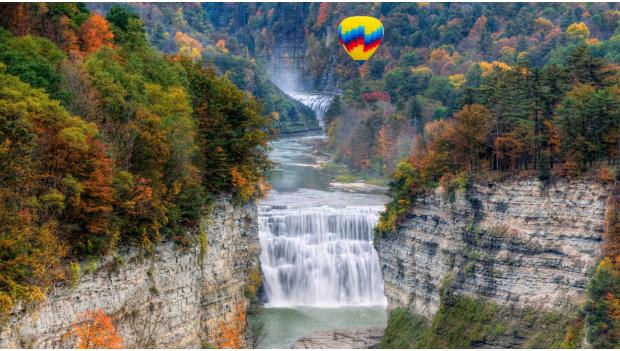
[{"x": 320, "y": 268}]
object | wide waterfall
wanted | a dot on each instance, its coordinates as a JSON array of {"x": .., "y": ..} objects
[
  {"x": 320, "y": 256},
  {"x": 317, "y": 244},
  {"x": 319, "y": 102}
]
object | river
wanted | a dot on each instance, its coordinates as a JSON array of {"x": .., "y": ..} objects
[{"x": 320, "y": 268}]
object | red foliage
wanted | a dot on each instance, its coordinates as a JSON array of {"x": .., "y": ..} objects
[
  {"x": 376, "y": 96},
  {"x": 323, "y": 14}
]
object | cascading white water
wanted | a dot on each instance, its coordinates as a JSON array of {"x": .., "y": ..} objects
[
  {"x": 316, "y": 244},
  {"x": 317, "y": 102},
  {"x": 320, "y": 256}
]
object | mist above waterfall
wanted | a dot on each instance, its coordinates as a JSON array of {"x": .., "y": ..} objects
[{"x": 287, "y": 79}]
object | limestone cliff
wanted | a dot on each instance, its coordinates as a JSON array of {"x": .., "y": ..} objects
[
  {"x": 174, "y": 298},
  {"x": 518, "y": 243}
]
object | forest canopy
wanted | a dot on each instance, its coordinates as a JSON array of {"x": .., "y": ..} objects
[{"x": 106, "y": 143}]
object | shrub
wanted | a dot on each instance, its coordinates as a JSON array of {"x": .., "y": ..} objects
[{"x": 76, "y": 274}]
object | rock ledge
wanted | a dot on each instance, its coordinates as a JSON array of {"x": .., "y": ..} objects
[{"x": 341, "y": 339}]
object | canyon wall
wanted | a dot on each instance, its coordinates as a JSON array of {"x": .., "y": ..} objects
[
  {"x": 176, "y": 297},
  {"x": 517, "y": 243}
]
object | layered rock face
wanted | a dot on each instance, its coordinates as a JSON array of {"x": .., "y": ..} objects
[
  {"x": 174, "y": 298},
  {"x": 516, "y": 242}
]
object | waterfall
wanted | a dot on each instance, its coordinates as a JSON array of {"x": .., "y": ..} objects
[
  {"x": 317, "y": 102},
  {"x": 317, "y": 245},
  {"x": 320, "y": 256}
]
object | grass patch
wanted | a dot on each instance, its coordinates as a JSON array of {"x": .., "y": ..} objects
[
  {"x": 467, "y": 322},
  {"x": 342, "y": 174},
  {"x": 404, "y": 330}
]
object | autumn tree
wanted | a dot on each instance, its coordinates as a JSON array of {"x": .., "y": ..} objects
[
  {"x": 578, "y": 31},
  {"x": 95, "y": 33},
  {"x": 188, "y": 46},
  {"x": 231, "y": 133},
  {"x": 472, "y": 126},
  {"x": 94, "y": 330}
]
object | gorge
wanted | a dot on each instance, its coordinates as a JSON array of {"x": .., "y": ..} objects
[
  {"x": 223, "y": 175},
  {"x": 320, "y": 268}
]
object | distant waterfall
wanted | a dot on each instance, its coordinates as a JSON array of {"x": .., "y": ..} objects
[
  {"x": 320, "y": 256},
  {"x": 317, "y": 102}
]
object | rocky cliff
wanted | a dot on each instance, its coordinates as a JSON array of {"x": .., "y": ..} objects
[
  {"x": 176, "y": 297},
  {"x": 517, "y": 243}
]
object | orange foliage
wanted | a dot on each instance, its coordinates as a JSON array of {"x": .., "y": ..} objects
[
  {"x": 433, "y": 151},
  {"x": 241, "y": 183},
  {"x": 221, "y": 46},
  {"x": 508, "y": 149},
  {"x": 95, "y": 33},
  {"x": 471, "y": 130},
  {"x": 605, "y": 174},
  {"x": 98, "y": 193},
  {"x": 233, "y": 331},
  {"x": 442, "y": 62},
  {"x": 94, "y": 330},
  {"x": 384, "y": 146}
]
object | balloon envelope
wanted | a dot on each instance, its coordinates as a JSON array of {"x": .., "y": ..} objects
[{"x": 360, "y": 36}]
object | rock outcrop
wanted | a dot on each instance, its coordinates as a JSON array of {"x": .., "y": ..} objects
[
  {"x": 519, "y": 243},
  {"x": 174, "y": 298},
  {"x": 341, "y": 339}
]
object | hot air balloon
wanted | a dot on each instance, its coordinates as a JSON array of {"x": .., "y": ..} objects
[{"x": 360, "y": 36}]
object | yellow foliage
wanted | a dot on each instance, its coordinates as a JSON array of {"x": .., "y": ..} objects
[
  {"x": 6, "y": 303},
  {"x": 488, "y": 67},
  {"x": 578, "y": 30},
  {"x": 457, "y": 80},
  {"x": 255, "y": 280},
  {"x": 421, "y": 70}
]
